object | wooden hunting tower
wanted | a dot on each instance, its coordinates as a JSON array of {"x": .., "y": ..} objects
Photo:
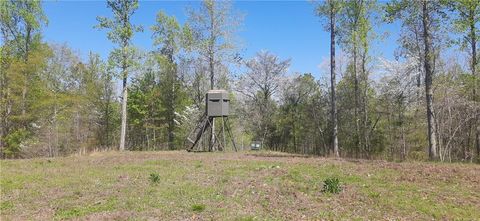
[
  {"x": 216, "y": 106},
  {"x": 217, "y": 103}
]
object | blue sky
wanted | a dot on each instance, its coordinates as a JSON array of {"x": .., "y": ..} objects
[{"x": 289, "y": 29}]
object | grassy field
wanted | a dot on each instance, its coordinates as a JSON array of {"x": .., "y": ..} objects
[{"x": 233, "y": 186}]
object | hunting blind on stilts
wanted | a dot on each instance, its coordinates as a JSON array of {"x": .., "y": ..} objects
[{"x": 216, "y": 106}]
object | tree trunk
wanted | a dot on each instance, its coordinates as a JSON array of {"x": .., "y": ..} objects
[
  {"x": 55, "y": 112},
  {"x": 355, "y": 82},
  {"x": 107, "y": 116},
  {"x": 171, "y": 110},
  {"x": 124, "y": 114},
  {"x": 4, "y": 108},
  {"x": 154, "y": 139},
  {"x": 211, "y": 60},
  {"x": 171, "y": 137},
  {"x": 473, "y": 42},
  {"x": 366, "y": 135},
  {"x": 428, "y": 58},
  {"x": 333, "y": 81},
  {"x": 212, "y": 71},
  {"x": 404, "y": 144},
  {"x": 25, "y": 80},
  {"x": 294, "y": 130}
]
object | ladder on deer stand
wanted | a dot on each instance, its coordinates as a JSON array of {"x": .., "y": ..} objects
[{"x": 205, "y": 124}]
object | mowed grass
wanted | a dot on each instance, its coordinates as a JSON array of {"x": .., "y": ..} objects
[{"x": 233, "y": 186}]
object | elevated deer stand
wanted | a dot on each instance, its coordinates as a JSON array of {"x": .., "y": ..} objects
[{"x": 217, "y": 106}]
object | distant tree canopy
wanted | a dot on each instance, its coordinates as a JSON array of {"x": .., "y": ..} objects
[{"x": 422, "y": 105}]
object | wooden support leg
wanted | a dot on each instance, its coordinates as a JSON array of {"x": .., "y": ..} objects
[{"x": 231, "y": 136}]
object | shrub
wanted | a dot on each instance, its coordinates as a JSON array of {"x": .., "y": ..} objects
[
  {"x": 332, "y": 185},
  {"x": 154, "y": 178},
  {"x": 418, "y": 156},
  {"x": 13, "y": 143}
]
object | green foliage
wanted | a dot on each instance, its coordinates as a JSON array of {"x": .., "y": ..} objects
[
  {"x": 55, "y": 103},
  {"x": 154, "y": 177},
  {"x": 121, "y": 31},
  {"x": 332, "y": 185},
  {"x": 120, "y": 28},
  {"x": 13, "y": 143},
  {"x": 299, "y": 102},
  {"x": 167, "y": 33},
  {"x": 198, "y": 207},
  {"x": 466, "y": 14},
  {"x": 418, "y": 156},
  {"x": 327, "y": 9},
  {"x": 22, "y": 21},
  {"x": 125, "y": 57},
  {"x": 156, "y": 99},
  {"x": 158, "y": 95}
]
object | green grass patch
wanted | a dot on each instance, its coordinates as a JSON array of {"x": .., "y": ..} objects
[
  {"x": 332, "y": 185},
  {"x": 154, "y": 178},
  {"x": 68, "y": 213},
  {"x": 6, "y": 205},
  {"x": 198, "y": 207}
]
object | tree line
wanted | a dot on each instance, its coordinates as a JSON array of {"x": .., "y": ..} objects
[{"x": 421, "y": 105}]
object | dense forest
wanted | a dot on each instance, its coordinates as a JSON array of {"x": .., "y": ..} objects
[{"x": 425, "y": 104}]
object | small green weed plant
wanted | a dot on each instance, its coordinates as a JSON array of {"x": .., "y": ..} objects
[
  {"x": 154, "y": 178},
  {"x": 332, "y": 185}
]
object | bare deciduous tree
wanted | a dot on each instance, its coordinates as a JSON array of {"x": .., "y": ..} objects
[{"x": 261, "y": 83}]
